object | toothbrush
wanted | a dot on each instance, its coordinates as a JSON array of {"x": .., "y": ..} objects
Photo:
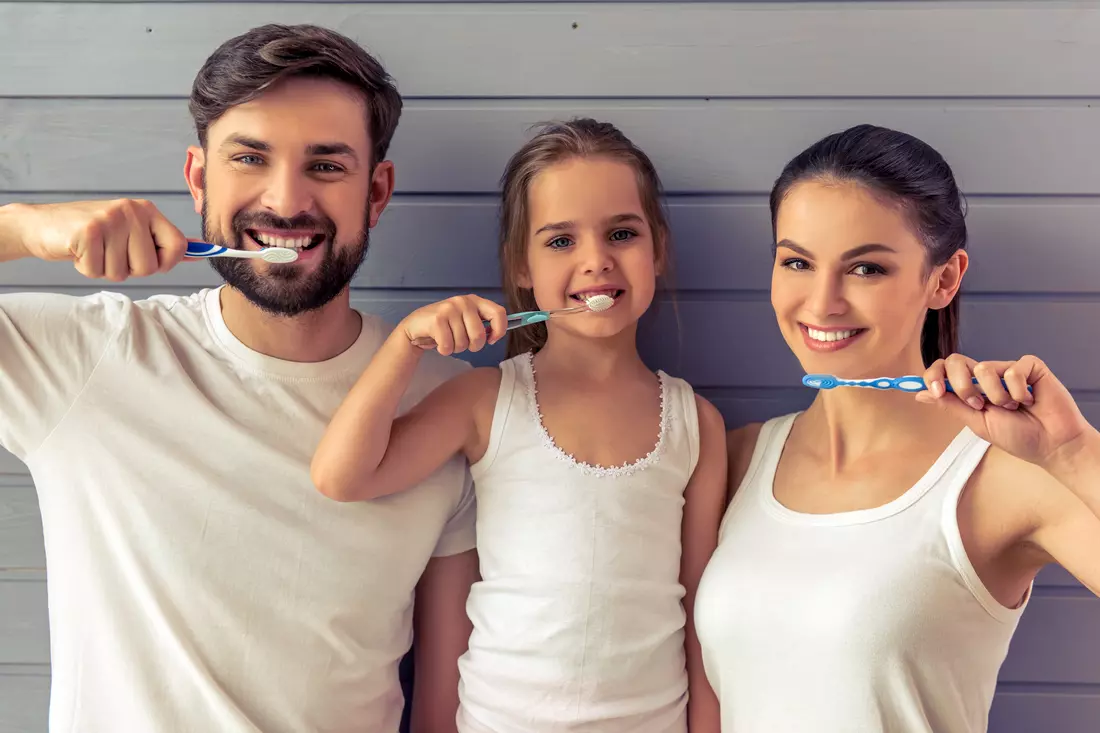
[
  {"x": 908, "y": 383},
  {"x": 267, "y": 254},
  {"x": 596, "y": 304}
]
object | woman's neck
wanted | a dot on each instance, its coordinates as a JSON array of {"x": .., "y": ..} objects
[{"x": 844, "y": 424}]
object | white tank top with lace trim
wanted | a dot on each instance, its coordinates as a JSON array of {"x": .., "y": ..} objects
[{"x": 578, "y": 623}]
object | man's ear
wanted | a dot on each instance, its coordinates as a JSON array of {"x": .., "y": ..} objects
[
  {"x": 381, "y": 190},
  {"x": 194, "y": 171}
]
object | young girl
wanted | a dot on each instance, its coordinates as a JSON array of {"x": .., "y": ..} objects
[
  {"x": 877, "y": 554},
  {"x": 582, "y": 457}
]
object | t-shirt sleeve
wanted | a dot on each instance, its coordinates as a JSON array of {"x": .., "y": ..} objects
[
  {"x": 460, "y": 533},
  {"x": 50, "y": 345}
]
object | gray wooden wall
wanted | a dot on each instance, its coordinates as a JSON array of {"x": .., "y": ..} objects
[{"x": 92, "y": 103}]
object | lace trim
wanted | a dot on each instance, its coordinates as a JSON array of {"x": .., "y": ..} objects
[{"x": 627, "y": 468}]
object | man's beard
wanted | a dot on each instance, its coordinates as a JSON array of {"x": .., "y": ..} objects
[{"x": 285, "y": 289}]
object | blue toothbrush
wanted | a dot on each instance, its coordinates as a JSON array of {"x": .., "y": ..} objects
[
  {"x": 908, "y": 383},
  {"x": 197, "y": 250}
]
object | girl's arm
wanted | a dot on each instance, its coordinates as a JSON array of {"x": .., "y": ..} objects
[
  {"x": 365, "y": 453},
  {"x": 704, "y": 503},
  {"x": 1049, "y": 484}
]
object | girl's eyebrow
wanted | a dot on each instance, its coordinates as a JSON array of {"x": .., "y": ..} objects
[{"x": 560, "y": 226}]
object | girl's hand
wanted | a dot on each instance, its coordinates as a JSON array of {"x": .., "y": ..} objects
[
  {"x": 1033, "y": 426},
  {"x": 454, "y": 325}
]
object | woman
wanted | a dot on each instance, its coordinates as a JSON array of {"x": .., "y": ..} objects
[{"x": 877, "y": 552}]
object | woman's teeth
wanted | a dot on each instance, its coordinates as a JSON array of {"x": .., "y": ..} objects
[
  {"x": 294, "y": 243},
  {"x": 831, "y": 335}
]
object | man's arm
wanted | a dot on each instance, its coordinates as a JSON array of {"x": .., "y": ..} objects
[
  {"x": 115, "y": 239},
  {"x": 441, "y": 636}
]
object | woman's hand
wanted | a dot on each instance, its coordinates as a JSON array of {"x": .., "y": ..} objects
[{"x": 1034, "y": 426}]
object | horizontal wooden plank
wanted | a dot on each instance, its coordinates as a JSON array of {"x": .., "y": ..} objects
[
  {"x": 20, "y": 528},
  {"x": 641, "y": 49},
  {"x": 720, "y": 243},
  {"x": 1057, "y": 641},
  {"x": 720, "y": 146},
  {"x": 24, "y": 624},
  {"x": 1037, "y": 712},
  {"x": 24, "y": 699}
]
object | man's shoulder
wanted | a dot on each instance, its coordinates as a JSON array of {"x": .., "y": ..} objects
[{"x": 434, "y": 368}]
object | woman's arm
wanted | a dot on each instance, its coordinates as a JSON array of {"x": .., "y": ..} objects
[
  {"x": 1049, "y": 484},
  {"x": 365, "y": 453},
  {"x": 705, "y": 500}
]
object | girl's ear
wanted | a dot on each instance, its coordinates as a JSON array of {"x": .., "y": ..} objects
[{"x": 523, "y": 279}]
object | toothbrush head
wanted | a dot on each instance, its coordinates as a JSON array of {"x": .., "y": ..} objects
[
  {"x": 600, "y": 303},
  {"x": 820, "y": 381},
  {"x": 279, "y": 254}
]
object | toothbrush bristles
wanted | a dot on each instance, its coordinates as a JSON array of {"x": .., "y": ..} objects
[{"x": 601, "y": 302}]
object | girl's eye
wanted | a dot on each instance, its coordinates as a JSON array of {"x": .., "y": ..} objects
[
  {"x": 559, "y": 243},
  {"x": 796, "y": 263},
  {"x": 622, "y": 235},
  {"x": 867, "y": 269}
]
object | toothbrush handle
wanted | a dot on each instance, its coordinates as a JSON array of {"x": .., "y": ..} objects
[
  {"x": 204, "y": 249},
  {"x": 515, "y": 320}
]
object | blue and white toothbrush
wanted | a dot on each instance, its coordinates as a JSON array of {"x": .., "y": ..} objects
[
  {"x": 268, "y": 254},
  {"x": 908, "y": 383}
]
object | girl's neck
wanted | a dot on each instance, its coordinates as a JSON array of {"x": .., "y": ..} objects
[{"x": 591, "y": 359}]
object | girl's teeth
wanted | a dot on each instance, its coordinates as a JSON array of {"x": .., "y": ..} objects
[{"x": 830, "y": 335}]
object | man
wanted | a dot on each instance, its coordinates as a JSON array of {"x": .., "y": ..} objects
[{"x": 197, "y": 579}]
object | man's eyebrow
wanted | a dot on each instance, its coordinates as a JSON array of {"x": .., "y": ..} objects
[
  {"x": 245, "y": 141},
  {"x": 332, "y": 149}
]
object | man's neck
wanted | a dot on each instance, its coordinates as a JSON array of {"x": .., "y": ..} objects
[{"x": 310, "y": 337}]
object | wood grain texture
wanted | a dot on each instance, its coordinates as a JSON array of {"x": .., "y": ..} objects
[
  {"x": 1041, "y": 47},
  {"x": 24, "y": 698},
  {"x": 461, "y": 146}
]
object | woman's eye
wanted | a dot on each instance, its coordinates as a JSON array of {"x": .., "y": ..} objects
[
  {"x": 868, "y": 270},
  {"x": 796, "y": 263}
]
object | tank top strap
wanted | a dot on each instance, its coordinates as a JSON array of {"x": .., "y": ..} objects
[
  {"x": 510, "y": 384},
  {"x": 760, "y": 474},
  {"x": 955, "y": 480},
  {"x": 682, "y": 417}
]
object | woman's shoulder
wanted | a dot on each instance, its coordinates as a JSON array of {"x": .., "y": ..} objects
[{"x": 740, "y": 446}]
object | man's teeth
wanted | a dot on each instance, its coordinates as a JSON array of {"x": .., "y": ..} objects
[
  {"x": 830, "y": 335},
  {"x": 295, "y": 243}
]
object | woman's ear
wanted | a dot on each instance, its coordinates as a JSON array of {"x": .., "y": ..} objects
[{"x": 948, "y": 279}]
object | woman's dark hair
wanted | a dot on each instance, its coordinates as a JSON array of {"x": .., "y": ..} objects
[{"x": 908, "y": 172}]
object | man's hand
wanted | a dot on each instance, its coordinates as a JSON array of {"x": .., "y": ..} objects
[{"x": 114, "y": 240}]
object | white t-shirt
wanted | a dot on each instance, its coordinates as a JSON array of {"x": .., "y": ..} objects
[{"x": 197, "y": 579}]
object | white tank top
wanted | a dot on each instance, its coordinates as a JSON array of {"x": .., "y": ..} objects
[
  {"x": 868, "y": 620},
  {"x": 577, "y": 622}
]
